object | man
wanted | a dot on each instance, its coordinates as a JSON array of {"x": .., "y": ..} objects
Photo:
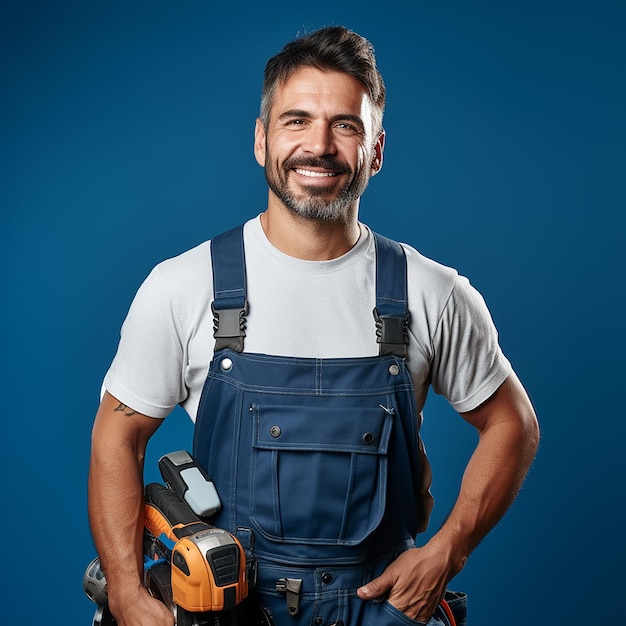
[{"x": 309, "y": 417}]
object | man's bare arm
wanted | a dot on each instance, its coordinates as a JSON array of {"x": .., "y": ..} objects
[
  {"x": 116, "y": 506},
  {"x": 508, "y": 439}
]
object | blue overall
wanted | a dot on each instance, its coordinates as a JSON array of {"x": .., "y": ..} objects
[{"x": 315, "y": 460}]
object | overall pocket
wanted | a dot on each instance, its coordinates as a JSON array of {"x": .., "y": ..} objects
[{"x": 319, "y": 474}]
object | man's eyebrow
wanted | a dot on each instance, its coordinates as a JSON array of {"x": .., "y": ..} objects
[{"x": 294, "y": 113}]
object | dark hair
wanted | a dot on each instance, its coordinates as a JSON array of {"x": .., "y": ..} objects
[{"x": 331, "y": 48}]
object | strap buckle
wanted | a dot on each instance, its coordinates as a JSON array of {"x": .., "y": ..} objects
[
  {"x": 229, "y": 327},
  {"x": 392, "y": 333}
]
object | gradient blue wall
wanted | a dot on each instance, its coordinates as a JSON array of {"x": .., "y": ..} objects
[{"x": 127, "y": 138}]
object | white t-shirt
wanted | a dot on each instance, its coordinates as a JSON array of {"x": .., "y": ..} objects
[{"x": 302, "y": 308}]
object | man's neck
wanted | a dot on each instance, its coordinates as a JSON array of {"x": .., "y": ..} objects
[{"x": 308, "y": 239}]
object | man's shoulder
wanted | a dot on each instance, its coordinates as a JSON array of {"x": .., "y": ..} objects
[
  {"x": 189, "y": 268},
  {"x": 183, "y": 271},
  {"x": 427, "y": 271},
  {"x": 196, "y": 256}
]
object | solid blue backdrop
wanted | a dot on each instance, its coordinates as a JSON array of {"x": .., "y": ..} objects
[{"x": 127, "y": 138}]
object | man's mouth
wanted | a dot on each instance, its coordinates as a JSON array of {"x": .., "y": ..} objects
[
  {"x": 321, "y": 168},
  {"x": 312, "y": 174}
]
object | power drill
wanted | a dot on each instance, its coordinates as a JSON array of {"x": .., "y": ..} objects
[{"x": 200, "y": 572}]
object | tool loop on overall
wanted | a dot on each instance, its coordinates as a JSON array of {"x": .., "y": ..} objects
[{"x": 292, "y": 588}]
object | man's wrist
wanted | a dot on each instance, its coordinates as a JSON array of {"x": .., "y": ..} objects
[{"x": 454, "y": 547}]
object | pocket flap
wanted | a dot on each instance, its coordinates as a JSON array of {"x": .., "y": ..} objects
[{"x": 363, "y": 430}]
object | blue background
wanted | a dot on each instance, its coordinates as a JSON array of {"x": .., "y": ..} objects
[{"x": 127, "y": 138}]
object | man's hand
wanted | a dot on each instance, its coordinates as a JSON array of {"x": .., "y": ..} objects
[
  {"x": 508, "y": 437},
  {"x": 415, "y": 582},
  {"x": 139, "y": 608}
]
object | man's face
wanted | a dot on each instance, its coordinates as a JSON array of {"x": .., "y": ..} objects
[{"x": 319, "y": 149}]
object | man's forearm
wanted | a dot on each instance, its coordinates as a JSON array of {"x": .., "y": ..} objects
[
  {"x": 116, "y": 503},
  {"x": 116, "y": 515},
  {"x": 508, "y": 439}
]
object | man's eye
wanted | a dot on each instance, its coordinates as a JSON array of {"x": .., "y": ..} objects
[{"x": 347, "y": 127}]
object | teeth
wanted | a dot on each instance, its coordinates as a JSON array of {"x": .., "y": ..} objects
[{"x": 315, "y": 174}]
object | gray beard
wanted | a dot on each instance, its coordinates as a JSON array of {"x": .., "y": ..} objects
[{"x": 315, "y": 205}]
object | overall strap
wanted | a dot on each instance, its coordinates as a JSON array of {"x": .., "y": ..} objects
[
  {"x": 230, "y": 305},
  {"x": 391, "y": 312}
]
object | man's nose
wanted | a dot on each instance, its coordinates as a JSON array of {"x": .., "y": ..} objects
[{"x": 319, "y": 140}]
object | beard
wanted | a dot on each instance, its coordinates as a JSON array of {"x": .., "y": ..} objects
[{"x": 317, "y": 203}]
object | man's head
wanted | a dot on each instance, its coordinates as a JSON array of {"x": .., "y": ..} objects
[
  {"x": 332, "y": 48},
  {"x": 320, "y": 137}
]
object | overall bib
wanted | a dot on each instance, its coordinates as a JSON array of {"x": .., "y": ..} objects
[{"x": 315, "y": 460}]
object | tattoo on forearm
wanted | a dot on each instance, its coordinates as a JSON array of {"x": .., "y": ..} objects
[{"x": 124, "y": 409}]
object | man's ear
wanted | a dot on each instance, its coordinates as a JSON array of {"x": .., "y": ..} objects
[
  {"x": 377, "y": 158},
  {"x": 259, "y": 142}
]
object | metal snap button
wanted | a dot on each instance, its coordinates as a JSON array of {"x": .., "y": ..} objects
[
  {"x": 369, "y": 438},
  {"x": 317, "y": 621},
  {"x": 327, "y": 578},
  {"x": 275, "y": 431},
  {"x": 394, "y": 370},
  {"x": 226, "y": 364}
]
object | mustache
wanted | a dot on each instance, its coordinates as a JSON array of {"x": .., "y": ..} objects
[{"x": 324, "y": 162}]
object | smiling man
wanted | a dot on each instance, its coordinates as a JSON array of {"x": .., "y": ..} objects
[
  {"x": 320, "y": 147},
  {"x": 321, "y": 340}
]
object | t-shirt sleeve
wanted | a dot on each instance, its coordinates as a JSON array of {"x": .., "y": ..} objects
[
  {"x": 468, "y": 364},
  {"x": 147, "y": 371}
]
